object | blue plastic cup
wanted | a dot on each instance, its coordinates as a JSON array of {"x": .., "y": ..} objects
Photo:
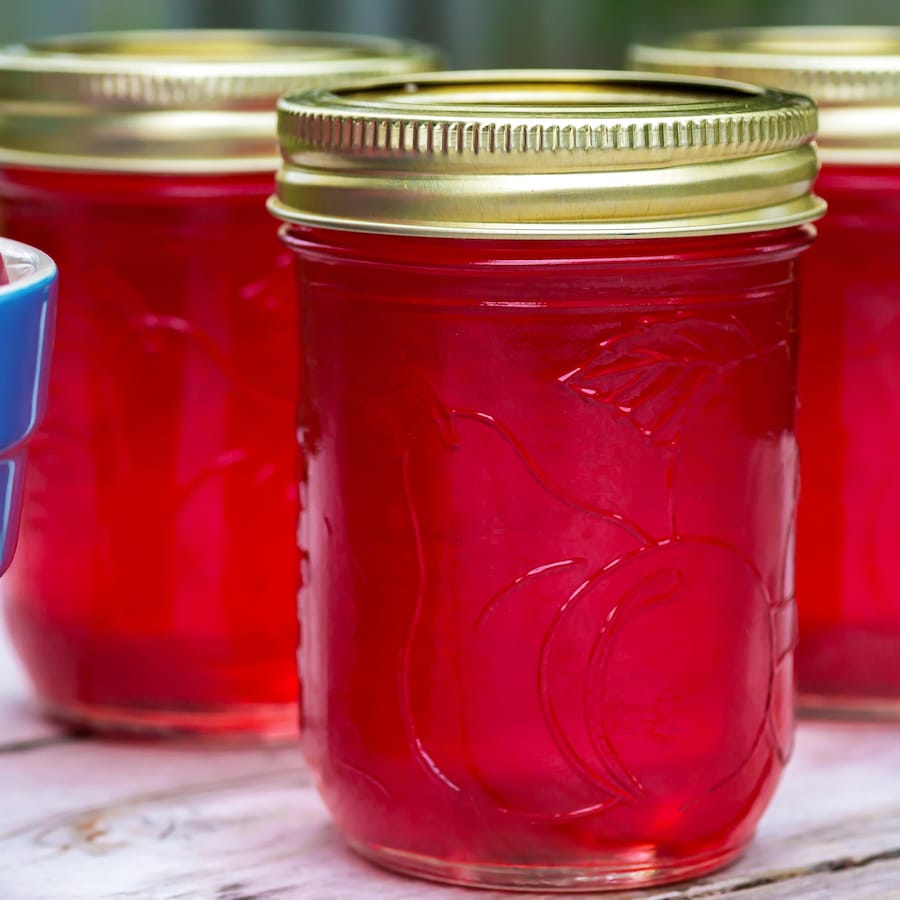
[{"x": 27, "y": 314}]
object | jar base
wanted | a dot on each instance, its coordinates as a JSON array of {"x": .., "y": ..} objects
[
  {"x": 656, "y": 870},
  {"x": 269, "y": 723},
  {"x": 848, "y": 706}
]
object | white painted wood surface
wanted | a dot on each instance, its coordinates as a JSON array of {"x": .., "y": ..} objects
[{"x": 83, "y": 819}]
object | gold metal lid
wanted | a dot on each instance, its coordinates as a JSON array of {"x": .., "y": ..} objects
[
  {"x": 173, "y": 101},
  {"x": 539, "y": 154},
  {"x": 852, "y": 73}
]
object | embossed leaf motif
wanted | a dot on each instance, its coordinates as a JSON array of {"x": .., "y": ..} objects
[{"x": 653, "y": 372}]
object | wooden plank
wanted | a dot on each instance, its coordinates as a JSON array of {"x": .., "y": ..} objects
[
  {"x": 92, "y": 820},
  {"x": 103, "y": 820},
  {"x": 878, "y": 880}
]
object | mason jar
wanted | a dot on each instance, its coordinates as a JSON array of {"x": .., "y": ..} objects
[
  {"x": 848, "y": 572},
  {"x": 548, "y": 341},
  {"x": 155, "y": 585}
]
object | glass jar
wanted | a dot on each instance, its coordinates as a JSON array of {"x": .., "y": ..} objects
[
  {"x": 848, "y": 575},
  {"x": 27, "y": 313},
  {"x": 547, "y": 325},
  {"x": 156, "y": 582}
]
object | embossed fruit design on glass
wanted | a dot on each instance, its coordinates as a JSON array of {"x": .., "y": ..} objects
[
  {"x": 156, "y": 582},
  {"x": 548, "y": 330},
  {"x": 27, "y": 313},
  {"x": 848, "y": 573}
]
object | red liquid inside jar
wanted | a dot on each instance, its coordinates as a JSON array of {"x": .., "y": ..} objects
[
  {"x": 848, "y": 574},
  {"x": 547, "y": 612},
  {"x": 156, "y": 575}
]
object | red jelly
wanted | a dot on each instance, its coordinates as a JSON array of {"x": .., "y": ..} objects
[
  {"x": 547, "y": 617},
  {"x": 157, "y": 560},
  {"x": 848, "y": 575},
  {"x": 848, "y": 572},
  {"x": 158, "y": 567}
]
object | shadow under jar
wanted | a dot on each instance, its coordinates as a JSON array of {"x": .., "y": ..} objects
[
  {"x": 548, "y": 332},
  {"x": 848, "y": 574},
  {"x": 155, "y": 587}
]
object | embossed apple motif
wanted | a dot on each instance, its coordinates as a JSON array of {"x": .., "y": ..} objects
[{"x": 573, "y": 661}]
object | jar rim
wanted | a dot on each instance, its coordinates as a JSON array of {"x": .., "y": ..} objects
[{"x": 541, "y": 153}]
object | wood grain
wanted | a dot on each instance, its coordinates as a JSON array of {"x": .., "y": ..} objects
[{"x": 98, "y": 820}]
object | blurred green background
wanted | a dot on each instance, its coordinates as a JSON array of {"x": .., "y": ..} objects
[{"x": 559, "y": 33}]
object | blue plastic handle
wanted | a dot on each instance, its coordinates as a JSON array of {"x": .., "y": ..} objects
[{"x": 27, "y": 315}]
